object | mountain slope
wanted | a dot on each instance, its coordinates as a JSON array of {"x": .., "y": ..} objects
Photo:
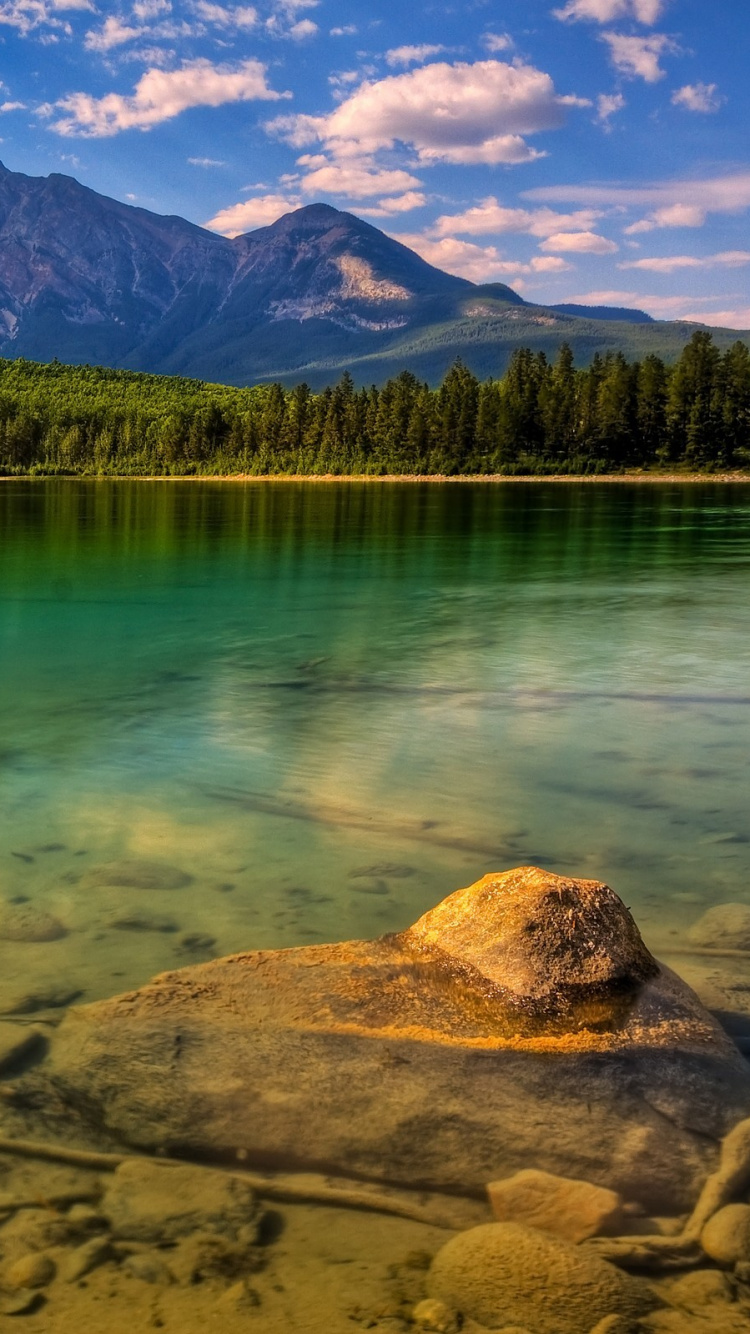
[{"x": 85, "y": 278}]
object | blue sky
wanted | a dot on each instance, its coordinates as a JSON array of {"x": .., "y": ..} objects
[{"x": 591, "y": 150}]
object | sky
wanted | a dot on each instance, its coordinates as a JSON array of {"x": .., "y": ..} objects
[{"x": 592, "y": 151}]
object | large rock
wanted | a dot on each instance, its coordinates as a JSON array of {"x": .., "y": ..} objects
[
  {"x": 504, "y": 1274},
  {"x": 522, "y": 1023}
]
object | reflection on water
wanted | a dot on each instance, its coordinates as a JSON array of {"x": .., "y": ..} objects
[{"x": 251, "y": 716}]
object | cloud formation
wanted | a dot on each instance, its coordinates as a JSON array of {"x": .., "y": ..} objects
[
  {"x": 714, "y": 194},
  {"x": 703, "y": 97},
  {"x": 491, "y": 218},
  {"x": 411, "y": 55},
  {"x": 27, "y": 15},
  {"x": 387, "y": 208},
  {"x": 579, "y": 243},
  {"x": 670, "y": 263},
  {"x": 161, "y": 95},
  {"x": 258, "y": 212},
  {"x": 457, "y": 113},
  {"x": 671, "y": 215},
  {"x": 638, "y": 57},
  {"x": 647, "y": 12}
]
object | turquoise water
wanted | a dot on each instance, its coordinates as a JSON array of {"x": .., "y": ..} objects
[{"x": 329, "y": 705}]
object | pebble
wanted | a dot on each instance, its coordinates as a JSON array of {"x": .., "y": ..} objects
[
  {"x": 725, "y": 927},
  {"x": 23, "y": 1303},
  {"x": 432, "y": 1314},
  {"x": 22, "y": 922},
  {"x": 82, "y": 1220},
  {"x": 84, "y": 1259},
  {"x": 149, "y": 1267},
  {"x": 31, "y": 1271},
  {"x": 240, "y": 1297},
  {"x": 614, "y": 1324},
  {"x": 726, "y": 1236}
]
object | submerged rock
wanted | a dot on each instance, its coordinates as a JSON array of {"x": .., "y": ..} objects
[
  {"x": 572, "y": 1210},
  {"x": 159, "y": 1202},
  {"x": 504, "y": 1274},
  {"x": 24, "y": 922},
  {"x": 522, "y": 1023},
  {"x": 725, "y": 927},
  {"x": 131, "y": 873}
]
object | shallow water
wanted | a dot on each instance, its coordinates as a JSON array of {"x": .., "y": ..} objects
[
  {"x": 241, "y": 716},
  {"x": 330, "y": 705}
]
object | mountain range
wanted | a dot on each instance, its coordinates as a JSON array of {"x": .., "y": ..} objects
[{"x": 87, "y": 279}]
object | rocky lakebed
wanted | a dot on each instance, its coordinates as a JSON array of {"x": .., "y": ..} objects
[{"x": 509, "y": 1116}]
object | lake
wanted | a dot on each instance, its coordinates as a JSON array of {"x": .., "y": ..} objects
[
  {"x": 244, "y": 716},
  {"x": 329, "y": 705}
]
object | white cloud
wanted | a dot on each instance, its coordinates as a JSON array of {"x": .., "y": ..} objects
[
  {"x": 491, "y": 217},
  {"x": 151, "y": 9},
  {"x": 258, "y": 212},
  {"x": 715, "y": 194},
  {"x": 26, "y": 15},
  {"x": 348, "y": 30},
  {"x": 579, "y": 243},
  {"x": 480, "y": 264},
  {"x": 698, "y": 97},
  {"x": 12, "y": 106},
  {"x": 412, "y": 55},
  {"x": 638, "y": 57},
  {"x": 607, "y": 105},
  {"x": 161, "y": 95},
  {"x": 672, "y": 215},
  {"x": 112, "y": 33},
  {"x": 300, "y": 31},
  {"x": 670, "y": 263},
  {"x": 206, "y": 162},
  {"x": 735, "y": 318},
  {"x": 448, "y": 113},
  {"x": 497, "y": 41},
  {"x": 236, "y": 17},
  {"x": 606, "y": 11},
  {"x": 670, "y": 307},
  {"x": 386, "y": 208},
  {"x": 354, "y": 179}
]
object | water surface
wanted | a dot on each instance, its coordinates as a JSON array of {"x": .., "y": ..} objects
[{"x": 331, "y": 705}]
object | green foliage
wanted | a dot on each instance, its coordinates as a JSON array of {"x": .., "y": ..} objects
[{"x": 539, "y": 418}]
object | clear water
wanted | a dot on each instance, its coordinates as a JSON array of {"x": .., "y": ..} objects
[{"x": 333, "y": 704}]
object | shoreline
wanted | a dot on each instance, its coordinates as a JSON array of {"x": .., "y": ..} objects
[{"x": 484, "y": 478}]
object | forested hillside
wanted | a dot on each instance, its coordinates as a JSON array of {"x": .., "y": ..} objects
[{"x": 540, "y": 418}]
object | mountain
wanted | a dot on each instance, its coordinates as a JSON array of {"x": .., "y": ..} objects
[
  {"x": 85, "y": 278},
  {"x": 604, "y": 313}
]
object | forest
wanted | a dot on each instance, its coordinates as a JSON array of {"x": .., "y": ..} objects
[{"x": 540, "y": 418}]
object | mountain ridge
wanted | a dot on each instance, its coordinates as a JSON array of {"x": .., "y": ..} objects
[{"x": 90, "y": 279}]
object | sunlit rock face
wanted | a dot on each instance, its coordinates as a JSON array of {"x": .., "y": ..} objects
[{"x": 521, "y": 1023}]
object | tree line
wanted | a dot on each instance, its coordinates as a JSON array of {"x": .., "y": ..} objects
[{"x": 540, "y": 418}]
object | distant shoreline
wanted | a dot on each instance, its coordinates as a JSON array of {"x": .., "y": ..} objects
[{"x": 570, "y": 478}]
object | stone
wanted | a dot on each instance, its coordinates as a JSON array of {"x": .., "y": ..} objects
[
  {"x": 24, "y": 922},
  {"x": 145, "y": 1200},
  {"x": 239, "y": 1297},
  {"x": 211, "y": 1255},
  {"x": 522, "y": 1023},
  {"x": 132, "y": 873},
  {"x": 85, "y": 1259},
  {"x": 432, "y": 1314},
  {"x": 503, "y": 1273},
  {"x": 726, "y": 1236},
  {"x": 31, "y": 1271},
  {"x": 142, "y": 921},
  {"x": 725, "y": 927},
  {"x": 700, "y": 1288},
  {"x": 573, "y": 1210},
  {"x": 615, "y": 1324},
  {"x": 83, "y": 1220},
  {"x": 17, "y": 1041},
  {"x": 149, "y": 1267},
  {"x": 42, "y": 996},
  {"x": 24, "y": 1302}
]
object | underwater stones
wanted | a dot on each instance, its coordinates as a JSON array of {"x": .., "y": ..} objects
[
  {"x": 24, "y": 922},
  {"x": 34, "y": 1270},
  {"x": 17, "y": 1041},
  {"x": 504, "y": 1274},
  {"x": 439, "y": 1058},
  {"x": 159, "y": 1202},
  {"x": 433, "y": 1315},
  {"x": 572, "y": 1210},
  {"x": 725, "y": 927},
  {"x": 701, "y": 1288},
  {"x": 83, "y": 1260},
  {"x": 130, "y": 873},
  {"x": 726, "y": 1236},
  {"x": 142, "y": 921}
]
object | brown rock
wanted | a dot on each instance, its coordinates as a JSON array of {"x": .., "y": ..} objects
[
  {"x": 24, "y": 922},
  {"x": 159, "y": 1202},
  {"x": 702, "y": 1287},
  {"x": 573, "y": 1210},
  {"x": 31, "y": 1271},
  {"x": 131, "y": 873},
  {"x": 432, "y": 1314},
  {"x": 16, "y": 1042},
  {"x": 725, "y": 927},
  {"x": 614, "y": 1324},
  {"x": 502, "y": 1273},
  {"x": 520, "y": 1024},
  {"x": 726, "y": 1236}
]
